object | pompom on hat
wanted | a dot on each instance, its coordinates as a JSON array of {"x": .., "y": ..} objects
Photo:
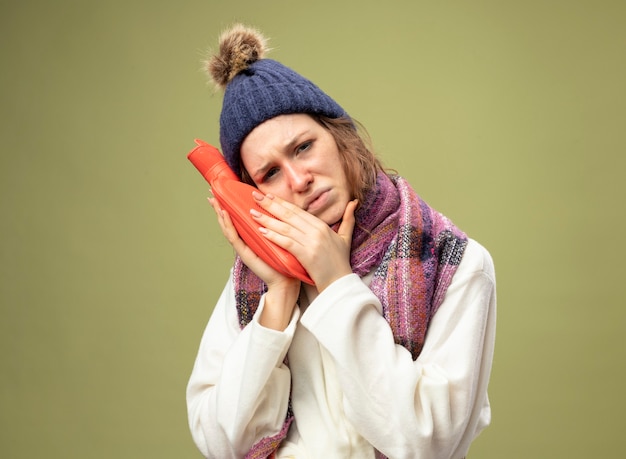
[{"x": 258, "y": 89}]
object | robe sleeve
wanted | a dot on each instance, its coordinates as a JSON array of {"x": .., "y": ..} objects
[{"x": 239, "y": 387}]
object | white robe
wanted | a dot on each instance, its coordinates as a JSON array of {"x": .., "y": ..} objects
[{"x": 353, "y": 390}]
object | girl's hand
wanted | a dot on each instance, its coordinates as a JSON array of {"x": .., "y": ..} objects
[
  {"x": 282, "y": 291},
  {"x": 268, "y": 274},
  {"x": 325, "y": 254}
]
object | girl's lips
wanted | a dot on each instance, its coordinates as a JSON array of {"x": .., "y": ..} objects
[{"x": 318, "y": 200}]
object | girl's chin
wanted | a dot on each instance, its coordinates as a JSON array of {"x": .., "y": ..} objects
[{"x": 331, "y": 217}]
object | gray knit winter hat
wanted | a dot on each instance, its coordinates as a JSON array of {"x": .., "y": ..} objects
[{"x": 257, "y": 89}]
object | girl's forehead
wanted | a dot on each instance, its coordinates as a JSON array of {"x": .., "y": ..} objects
[{"x": 279, "y": 133}]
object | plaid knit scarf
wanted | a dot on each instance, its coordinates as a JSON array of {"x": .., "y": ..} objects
[{"x": 414, "y": 252}]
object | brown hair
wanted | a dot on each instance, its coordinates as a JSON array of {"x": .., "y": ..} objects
[{"x": 359, "y": 163}]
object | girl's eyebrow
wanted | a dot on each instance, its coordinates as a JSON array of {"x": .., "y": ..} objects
[
  {"x": 260, "y": 172},
  {"x": 293, "y": 143}
]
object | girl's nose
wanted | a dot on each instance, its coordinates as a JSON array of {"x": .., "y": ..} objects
[{"x": 299, "y": 178}]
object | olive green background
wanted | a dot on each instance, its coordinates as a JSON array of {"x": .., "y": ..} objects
[{"x": 509, "y": 117}]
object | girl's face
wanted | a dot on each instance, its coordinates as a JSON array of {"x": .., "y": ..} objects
[{"x": 295, "y": 158}]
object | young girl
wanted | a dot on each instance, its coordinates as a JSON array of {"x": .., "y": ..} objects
[{"x": 389, "y": 353}]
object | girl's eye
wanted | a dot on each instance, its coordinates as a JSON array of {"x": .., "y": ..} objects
[
  {"x": 270, "y": 173},
  {"x": 304, "y": 146}
]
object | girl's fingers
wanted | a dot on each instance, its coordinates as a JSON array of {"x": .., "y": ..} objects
[
  {"x": 285, "y": 218},
  {"x": 248, "y": 256},
  {"x": 348, "y": 221},
  {"x": 281, "y": 209}
]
